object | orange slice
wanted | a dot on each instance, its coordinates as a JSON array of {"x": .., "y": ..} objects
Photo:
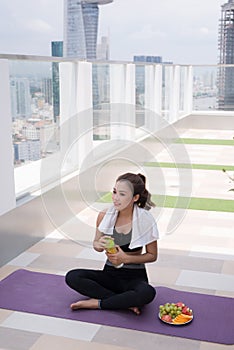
[
  {"x": 186, "y": 316},
  {"x": 182, "y": 318}
]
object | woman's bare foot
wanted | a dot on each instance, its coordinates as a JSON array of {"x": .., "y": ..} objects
[
  {"x": 93, "y": 304},
  {"x": 85, "y": 304},
  {"x": 136, "y": 310}
]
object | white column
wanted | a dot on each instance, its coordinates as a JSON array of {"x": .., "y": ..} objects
[
  {"x": 68, "y": 112},
  {"x": 175, "y": 94},
  {"x": 122, "y": 100},
  {"x": 117, "y": 83},
  {"x": 130, "y": 102},
  {"x": 76, "y": 113},
  {"x": 188, "y": 90},
  {"x": 149, "y": 88},
  {"x": 85, "y": 114},
  {"x": 153, "y": 96},
  {"x": 130, "y": 91},
  {"x": 158, "y": 89},
  {"x": 7, "y": 187},
  {"x": 168, "y": 84}
]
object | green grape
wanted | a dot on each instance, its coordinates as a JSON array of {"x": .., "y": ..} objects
[{"x": 170, "y": 309}]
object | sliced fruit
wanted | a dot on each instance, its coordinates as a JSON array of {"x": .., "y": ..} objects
[
  {"x": 182, "y": 318},
  {"x": 188, "y": 317}
]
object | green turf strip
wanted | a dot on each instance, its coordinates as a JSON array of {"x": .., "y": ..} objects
[
  {"x": 189, "y": 166},
  {"x": 191, "y": 141},
  {"x": 195, "y": 203}
]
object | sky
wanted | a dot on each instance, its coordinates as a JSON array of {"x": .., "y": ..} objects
[{"x": 181, "y": 31}]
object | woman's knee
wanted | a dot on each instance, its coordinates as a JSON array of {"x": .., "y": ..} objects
[
  {"x": 72, "y": 277},
  {"x": 148, "y": 294},
  {"x": 68, "y": 277},
  {"x": 152, "y": 293}
]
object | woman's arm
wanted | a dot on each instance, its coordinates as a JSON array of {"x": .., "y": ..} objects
[
  {"x": 150, "y": 255},
  {"x": 99, "y": 239}
]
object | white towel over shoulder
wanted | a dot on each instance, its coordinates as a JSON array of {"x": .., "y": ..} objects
[{"x": 144, "y": 226}]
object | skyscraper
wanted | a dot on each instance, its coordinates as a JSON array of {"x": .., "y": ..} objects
[
  {"x": 103, "y": 49},
  {"x": 226, "y": 56},
  {"x": 57, "y": 48},
  {"x": 20, "y": 93},
  {"x": 81, "y": 27},
  {"x": 57, "y": 51}
]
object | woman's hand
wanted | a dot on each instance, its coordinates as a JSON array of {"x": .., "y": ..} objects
[
  {"x": 100, "y": 243},
  {"x": 117, "y": 258},
  {"x": 126, "y": 258}
]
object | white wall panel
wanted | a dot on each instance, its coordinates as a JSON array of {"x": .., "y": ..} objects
[{"x": 7, "y": 188}]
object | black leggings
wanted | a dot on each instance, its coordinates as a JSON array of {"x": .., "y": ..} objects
[{"x": 115, "y": 288}]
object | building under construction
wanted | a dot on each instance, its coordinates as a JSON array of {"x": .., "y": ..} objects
[{"x": 226, "y": 57}]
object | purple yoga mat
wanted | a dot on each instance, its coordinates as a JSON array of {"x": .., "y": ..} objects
[{"x": 47, "y": 294}]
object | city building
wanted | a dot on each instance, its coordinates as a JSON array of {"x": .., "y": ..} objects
[
  {"x": 103, "y": 49},
  {"x": 30, "y": 132},
  {"x": 101, "y": 75},
  {"x": 226, "y": 56},
  {"x": 57, "y": 48},
  {"x": 150, "y": 59},
  {"x": 20, "y": 97},
  {"x": 47, "y": 90},
  {"x": 27, "y": 150},
  {"x": 81, "y": 27},
  {"x": 57, "y": 51}
]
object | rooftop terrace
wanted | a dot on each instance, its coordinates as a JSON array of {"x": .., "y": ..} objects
[{"x": 183, "y": 162}]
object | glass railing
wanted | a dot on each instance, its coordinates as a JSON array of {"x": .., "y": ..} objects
[
  {"x": 213, "y": 88},
  {"x": 34, "y": 91},
  {"x": 205, "y": 88},
  {"x": 100, "y": 101}
]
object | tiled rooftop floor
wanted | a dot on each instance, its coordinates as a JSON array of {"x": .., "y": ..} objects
[{"x": 197, "y": 256}]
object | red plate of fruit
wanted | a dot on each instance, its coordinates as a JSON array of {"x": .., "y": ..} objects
[{"x": 176, "y": 314}]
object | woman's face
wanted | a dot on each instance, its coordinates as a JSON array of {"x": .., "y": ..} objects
[{"x": 122, "y": 195}]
